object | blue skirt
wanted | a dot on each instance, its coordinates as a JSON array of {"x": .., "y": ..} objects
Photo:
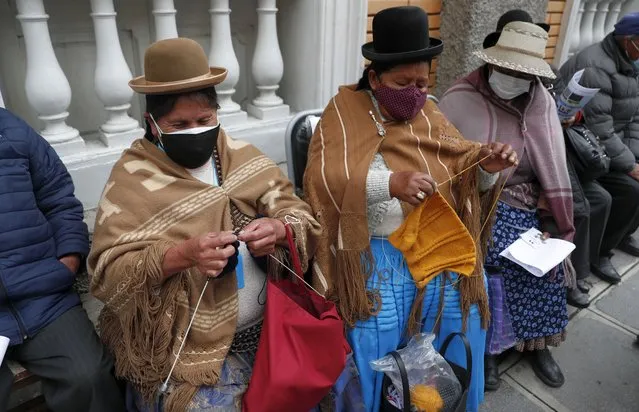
[
  {"x": 384, "y": 333},
  {"x": 537, "y": 306}
]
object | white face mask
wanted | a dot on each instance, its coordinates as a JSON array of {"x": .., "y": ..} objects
[{"x": 508, "y": 87}]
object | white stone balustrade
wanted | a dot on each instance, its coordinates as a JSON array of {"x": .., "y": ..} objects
[
  {"x": 575, "y": 41},
  {"x": 49, "y": 93},
  {"x": 112, "y": 75},
  {"x": 268, "y": 65},
  {"x": 222, "y": 54},
  {"x": 613, "y": 15},
  {"x": 47, "y": 88},
  {"x": 586, "y": 22},
  {"x": 599, "y": 24},
  {"x": 164, "y": 14}
]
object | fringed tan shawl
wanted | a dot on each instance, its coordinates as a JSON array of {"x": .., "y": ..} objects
[
  {"x": 150, "y": 204},
  {"x": 342, "y": 148}
]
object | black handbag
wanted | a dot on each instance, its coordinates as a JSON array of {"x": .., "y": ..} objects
[
  {"x": 462, "y": 374},
  {"x": 588, "y": 156}
]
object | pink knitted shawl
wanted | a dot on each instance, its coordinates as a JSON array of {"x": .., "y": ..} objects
[{"x": 533, "y": 129}]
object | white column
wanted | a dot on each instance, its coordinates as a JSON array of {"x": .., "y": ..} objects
[
  {"x": 47, "y": 87},
  {"x": 164, "y": 13},
  {"x": 587, "y": 23},
  {"x": 576, "y": 30},
  {"x": 613, "y": 15},
  {"x": 222, "y": 54},
  {"x": 268, "y": 66},
  {"x": 112, "y": 75},
  {"x": 599, "y": 31}
]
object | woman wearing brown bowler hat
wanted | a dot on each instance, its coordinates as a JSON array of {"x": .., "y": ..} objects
[
  {"x": 167, "y": 222},
  {"x": 380, "y": 150}
]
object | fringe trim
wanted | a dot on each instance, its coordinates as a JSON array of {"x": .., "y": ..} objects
[
  {"x": 141, "y": 340},
  {"x": 354, "y": 302},
  {"x": 142, "y": 336},
  {"x": 474, "y": 213},
  {"x": 274, "y": 269},
  {"x": 179, "y": 398},
  {"x": 415, "y": 318},
  {"x": 570, "y": 274},
  {"x": 541, "y": 343}
]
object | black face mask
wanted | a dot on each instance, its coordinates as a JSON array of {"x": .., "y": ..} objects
[{"x": 190, "y": 148}]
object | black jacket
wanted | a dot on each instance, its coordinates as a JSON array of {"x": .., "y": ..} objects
[{"x": 613, "y": 114}]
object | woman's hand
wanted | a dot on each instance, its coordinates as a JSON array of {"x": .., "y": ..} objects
[
  {"x": 72, "y": 262},
  {"x": 502, "y": 156},
  {"x": 262, "y": 235},
  {"x": 208, "y": 253},
  {"x": 568, "y": 122},
  {"x": 412, "y": 187}
]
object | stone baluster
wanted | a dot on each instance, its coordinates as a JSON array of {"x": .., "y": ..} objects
[
  {"x": 575, "y": 31},
  {"x": 587, "y": 24},
  {"x": 112, "y": 75},
  {"x": 268, "y": 66},
  {"x": 164, "y": 14},
  {"x": 599, "y": 31},
  {"x": 613, "y": 15},
  {"x": 47, "y": 87},
  {"x": 222, "y": 54}
]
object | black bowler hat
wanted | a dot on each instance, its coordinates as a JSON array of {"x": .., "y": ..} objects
[
  {"x": 509, "y": 17},
  {"x": 401, "y": 34}
]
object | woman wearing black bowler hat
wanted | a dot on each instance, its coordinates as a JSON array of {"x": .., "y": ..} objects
[{"x": 381, "y": 149}]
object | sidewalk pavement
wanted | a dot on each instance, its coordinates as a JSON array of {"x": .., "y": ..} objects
[{"x": 599, "y": 358}]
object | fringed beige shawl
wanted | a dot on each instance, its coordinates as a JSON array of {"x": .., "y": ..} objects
[
  {"x": 343, "y": 146},
  {"x": 150, "y": 204}
]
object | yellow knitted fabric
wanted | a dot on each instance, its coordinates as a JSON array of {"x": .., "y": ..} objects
[{"x": 433, "y": 239}]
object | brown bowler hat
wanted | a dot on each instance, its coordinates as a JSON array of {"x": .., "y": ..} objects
[{"x": 176, "y": 66}]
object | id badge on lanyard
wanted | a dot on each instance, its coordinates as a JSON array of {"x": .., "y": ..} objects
[{"x": 239, "y": 272}]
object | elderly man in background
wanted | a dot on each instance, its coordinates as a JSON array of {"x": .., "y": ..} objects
[
  {"x": 613, "y": 67},
  {"x": 43, "y": 241}
]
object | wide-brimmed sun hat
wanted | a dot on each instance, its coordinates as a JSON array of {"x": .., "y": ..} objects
[
  {"x": 400, "y": 34},
  {"x": 510, "y": 16},
  {"x": 521, "y": 47},
  {"x": 175, "y": 66}
]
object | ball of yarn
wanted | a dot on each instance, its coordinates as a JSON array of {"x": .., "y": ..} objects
[{"x": 426, "y": 398}]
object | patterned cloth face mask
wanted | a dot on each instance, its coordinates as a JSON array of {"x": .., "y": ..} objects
[{"x": 402, "y": 104}]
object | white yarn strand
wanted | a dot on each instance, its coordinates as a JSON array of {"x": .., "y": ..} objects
[{"x": 165, "y": 384}]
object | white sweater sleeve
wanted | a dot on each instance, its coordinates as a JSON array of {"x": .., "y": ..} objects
[{"x": 486, "y": 180}]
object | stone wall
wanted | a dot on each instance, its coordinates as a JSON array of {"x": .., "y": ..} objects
[{"x": 464, "y": 24}]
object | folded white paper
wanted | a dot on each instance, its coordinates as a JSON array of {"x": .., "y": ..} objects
[
  {"x": 4, "y": 344},
  {"x": 538, "y": 257}
]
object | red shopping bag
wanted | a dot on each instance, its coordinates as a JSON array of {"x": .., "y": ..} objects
[{"x": 302, "y": 349}]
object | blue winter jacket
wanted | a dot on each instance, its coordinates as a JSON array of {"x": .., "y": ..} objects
[{"x": 40, "y": 221}]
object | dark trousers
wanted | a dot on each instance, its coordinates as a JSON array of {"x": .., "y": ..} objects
[
  {"x": 580, "y": 257},
  {"x": 624, "y": 213},
  {"x": 589, "y": 229},
  {"x": 76, "y": 370}
]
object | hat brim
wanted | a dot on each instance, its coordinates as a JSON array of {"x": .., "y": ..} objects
[
  {"x": 214, "y": 77},
  {"x": 436, "y": 48},
  {"x": 493, "y": 38},
  {"x": 519, "y": 62}
]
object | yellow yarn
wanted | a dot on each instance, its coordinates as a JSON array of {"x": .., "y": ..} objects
[
  {"x": 426, "y": 399},
  {"x": 433, "y": 239}
]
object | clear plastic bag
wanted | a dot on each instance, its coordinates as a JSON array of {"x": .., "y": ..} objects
[{"x": 425, "y": 368}]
